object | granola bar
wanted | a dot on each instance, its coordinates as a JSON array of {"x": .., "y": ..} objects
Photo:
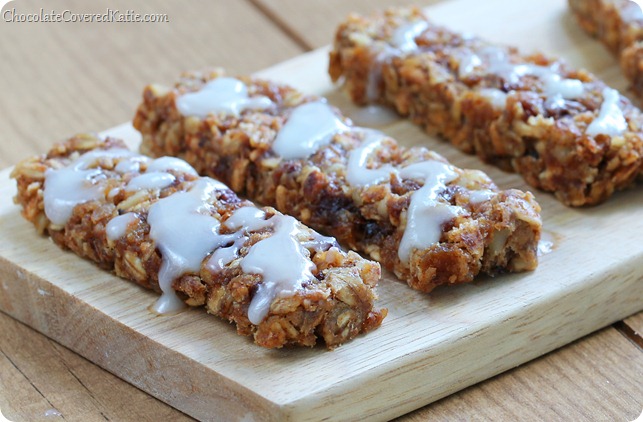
[
  {"x": 155, "y": 222},
  {"x": 619, "y": 25},
  {"x": 562, "y": 129},
  {"x": 408, "y": 208}
]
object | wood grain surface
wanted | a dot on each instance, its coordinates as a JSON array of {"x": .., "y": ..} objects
[{"x": 58, "y": 79}]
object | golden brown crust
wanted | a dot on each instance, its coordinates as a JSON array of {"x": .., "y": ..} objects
[
  {"x": 371, "y": 219},
  {"x": 336, "y": 306},
  {"x": 542, "y": 138}
]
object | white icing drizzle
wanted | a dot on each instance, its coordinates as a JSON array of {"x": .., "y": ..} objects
[
  {"x": 221, "y": 257},
  {"x": 375, "y": 72},
  {"x": 497, "y": 97},
  {"x": 357, "y": 172},
  {"x": 151, "y": 180},
  {"x": 280, "y": 258},
  {"x": 478, "y": 196},
  {"x": 76, "y": 183},
  {"x": 468, "y": 63},
  {"x": 554, "y": 102},
  {"x": 610, "y": 120},
  {"x": 309, "y": 127},
  {"x": 171, "y": 163},
  {"x": 426, "y": 213},
  {"x": 402, "y": 41},
  {"x": 131, "y": 165},
  {"x": 499, "y": 63},
  {"x": 221, "y": 95},
  {"x": 404, "y": 36},
  {"x": 185, "y": 233},
  {"x": 117, "y": 226}
]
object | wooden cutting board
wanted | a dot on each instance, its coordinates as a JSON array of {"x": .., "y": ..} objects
[{"x": 428, "y": 347}]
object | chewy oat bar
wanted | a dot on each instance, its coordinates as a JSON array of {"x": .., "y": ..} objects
[
  {"x": 562, "y": 129},
  {"x": 157, "y": 223},
  {"x": 408, "y": 208},
  {"x": 619, "y": 25}
]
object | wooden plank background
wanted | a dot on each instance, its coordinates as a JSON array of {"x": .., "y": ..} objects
[{"x": 60, "y": 78}]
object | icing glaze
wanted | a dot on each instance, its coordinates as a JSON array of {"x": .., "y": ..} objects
[
  {"x": 309, "y": 127},
  {"x": 183, "y": 246},
  {"x": 117, "y": 226},
  {"x": 357, "y": 171},
  {"x": 220, "y": 95},
  {"x": 284, "y": 272},
  {"x": 77, "y": 183},
  {"x": 426, "y": 213},
  {"x": 404, "y": 36},
  {"x": 150, "y": 180},
  {"x": 498, "y": 62},
  {"x": 610, "y": 120}
]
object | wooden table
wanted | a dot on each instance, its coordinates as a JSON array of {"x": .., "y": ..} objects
[{"x": 57, "y": 79}]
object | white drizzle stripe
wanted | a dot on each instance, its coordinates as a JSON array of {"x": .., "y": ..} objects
[
  {"x": 478, "y": 196},
  {"x": 498, "y": 62},
  {"x": 309, "y": 127},
  {"x": 610, "y": 120},
  {"x": 76, "y": 184},
  {"x": 171, "y": 163},
  {"x": 404, "y": 36},
  {"x": 283, "y": 272},
  {"x": 117, "y": 226},
  {"x": 468, "y": 63},
  {"x": 426, "y": 214},
  {"x": 357, "y": 172},
  {"x": 221, "y": 95},
  {"x": 80, "y": 181},
  {"x": 65, "y": 188},
  {"x": 223, "y": 256},
  {"x": 497, "y": 97},
  {"x": 183, "y": 246},
  {"x": 402, "y": 40},
  {"x": 131, "y": 164},
  {"x": 153, "y": 180}
]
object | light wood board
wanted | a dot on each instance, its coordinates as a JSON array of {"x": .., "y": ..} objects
[{"x": 428, "y": 347}]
